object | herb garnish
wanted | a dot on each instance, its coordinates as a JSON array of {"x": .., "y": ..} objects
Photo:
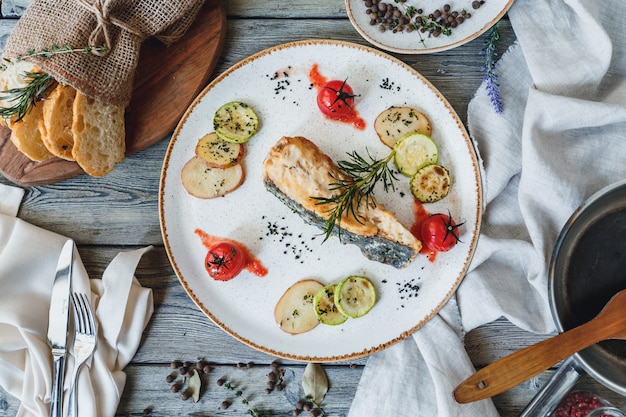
[
  {"x": 342, "y": 95},
  {"x": 38, "y": 85},
  {"x": 220, "y": 262},
  {"x": 355, "y": 187},
  {"x": 47, "y": 53}
]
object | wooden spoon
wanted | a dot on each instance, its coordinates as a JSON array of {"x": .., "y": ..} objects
[{"x": 522, "y": 365}]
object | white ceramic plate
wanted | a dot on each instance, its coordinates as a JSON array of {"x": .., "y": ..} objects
[
  {"x": 414, "y": 42},
  {"x": 276, "y": 84}
]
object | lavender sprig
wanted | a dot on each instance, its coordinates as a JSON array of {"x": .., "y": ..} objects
[{"x": 490, "y": 52}]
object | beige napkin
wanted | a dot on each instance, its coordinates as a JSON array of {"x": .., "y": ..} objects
[{"x": 28, "y": 258}]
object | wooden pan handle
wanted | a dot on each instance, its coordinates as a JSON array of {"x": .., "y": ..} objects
[{"x": 522, "y": 365}]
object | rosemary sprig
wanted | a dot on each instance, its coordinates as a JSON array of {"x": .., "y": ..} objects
[
  {"x": 19, "y": 100},
  {"x": 47, "y": 53},
  {"x": 355, "y": 187}
]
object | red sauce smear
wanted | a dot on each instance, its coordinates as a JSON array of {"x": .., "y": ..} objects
[
  {"x": 252, "y": 265},
  {"x": 318, "y": 81},
  {"x": 421, "y": 214}
]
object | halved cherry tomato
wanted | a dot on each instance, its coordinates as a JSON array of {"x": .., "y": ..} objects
[
  {"x": 225, "y": 260},
  {"x": 439, "y": 232},
  {"x": 336, "y": 100}
]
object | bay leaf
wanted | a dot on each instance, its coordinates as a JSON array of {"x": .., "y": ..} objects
[
  {"x": 194, "y": 385},
  {"x": 315, "y": 382}
]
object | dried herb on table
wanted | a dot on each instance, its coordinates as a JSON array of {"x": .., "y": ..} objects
[
  {"x": 490, "y": 52},
  {"x": 356, "y": 188},
  {"x": 315, "y": 385},
  {"x": 239, "y": 394}
]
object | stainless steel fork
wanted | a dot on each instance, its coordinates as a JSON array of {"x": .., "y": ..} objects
[{"x": 84, "y": 342}]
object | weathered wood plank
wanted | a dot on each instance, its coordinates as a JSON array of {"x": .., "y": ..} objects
[
  {"x": 237, "y": 8},
  {"x": 13, "y": 8},
  {"x": 147, "y": 388}
]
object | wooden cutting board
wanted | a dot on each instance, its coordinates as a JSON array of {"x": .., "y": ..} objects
[{"x": 167, "y": 81}]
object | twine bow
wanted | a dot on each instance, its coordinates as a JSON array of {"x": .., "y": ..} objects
[{"x": 104, "y": 20}]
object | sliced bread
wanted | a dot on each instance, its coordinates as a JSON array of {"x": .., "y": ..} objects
[
  {"x": 26, "y": 137},
  {"x": 99, "y": 135},
  {"x": 56, "y": 123}
]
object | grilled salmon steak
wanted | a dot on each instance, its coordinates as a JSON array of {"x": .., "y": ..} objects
[{"x": 299, "y": 173}]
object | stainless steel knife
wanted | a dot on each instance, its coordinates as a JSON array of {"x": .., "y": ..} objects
[{"x": 58, "y": 324}]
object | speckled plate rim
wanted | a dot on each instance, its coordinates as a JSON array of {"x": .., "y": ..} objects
[
  {"x": 371, "y": 37},
  {"x": 477, "y": 215}
]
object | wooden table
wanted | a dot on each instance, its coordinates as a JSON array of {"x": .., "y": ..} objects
[{"x": 119, "y": 212}]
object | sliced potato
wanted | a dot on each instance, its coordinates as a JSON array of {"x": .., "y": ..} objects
[
  {"x": 294, "y": 312},
  {"x": 355, "y": 296},
  {"x": 431, "y": 183},
  {"x": 218, "y": 153},
  {"x": 325, "y": 308},
  {"x": 203, "y": 181},
  {"x": 395, "y": 122}
]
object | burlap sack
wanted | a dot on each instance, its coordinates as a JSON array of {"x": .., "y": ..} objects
[{"x": 120, "y": 25}]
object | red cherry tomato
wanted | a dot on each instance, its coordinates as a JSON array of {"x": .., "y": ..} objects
[
  {"x": 336, "y": 100},
  {"x": 439, "y": 232},
  {"x": 225, "y": 260}
]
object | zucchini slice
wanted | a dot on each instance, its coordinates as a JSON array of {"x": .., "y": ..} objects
[
  {"x": 235, "y": 122},
  {"x": 413, "y": 152},
  {"x": 355, "y": 296},
  {"x": 325, "y": 308},
  {"x": 431, "y": 183}
]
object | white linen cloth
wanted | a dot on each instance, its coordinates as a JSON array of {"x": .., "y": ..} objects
[
  {"x": 28, "y": 260},
  {"x": 560, "y": 138}
]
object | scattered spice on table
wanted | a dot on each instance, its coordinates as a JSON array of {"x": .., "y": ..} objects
[{"x": 400, "y": 17}]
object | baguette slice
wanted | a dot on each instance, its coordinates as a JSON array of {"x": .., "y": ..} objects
[
  {"x": 26, "y": 136},
  {"x": 56, "y": 124},
  {"x": 99, "y": 135},
  {"x": 296, "y": 171}
]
